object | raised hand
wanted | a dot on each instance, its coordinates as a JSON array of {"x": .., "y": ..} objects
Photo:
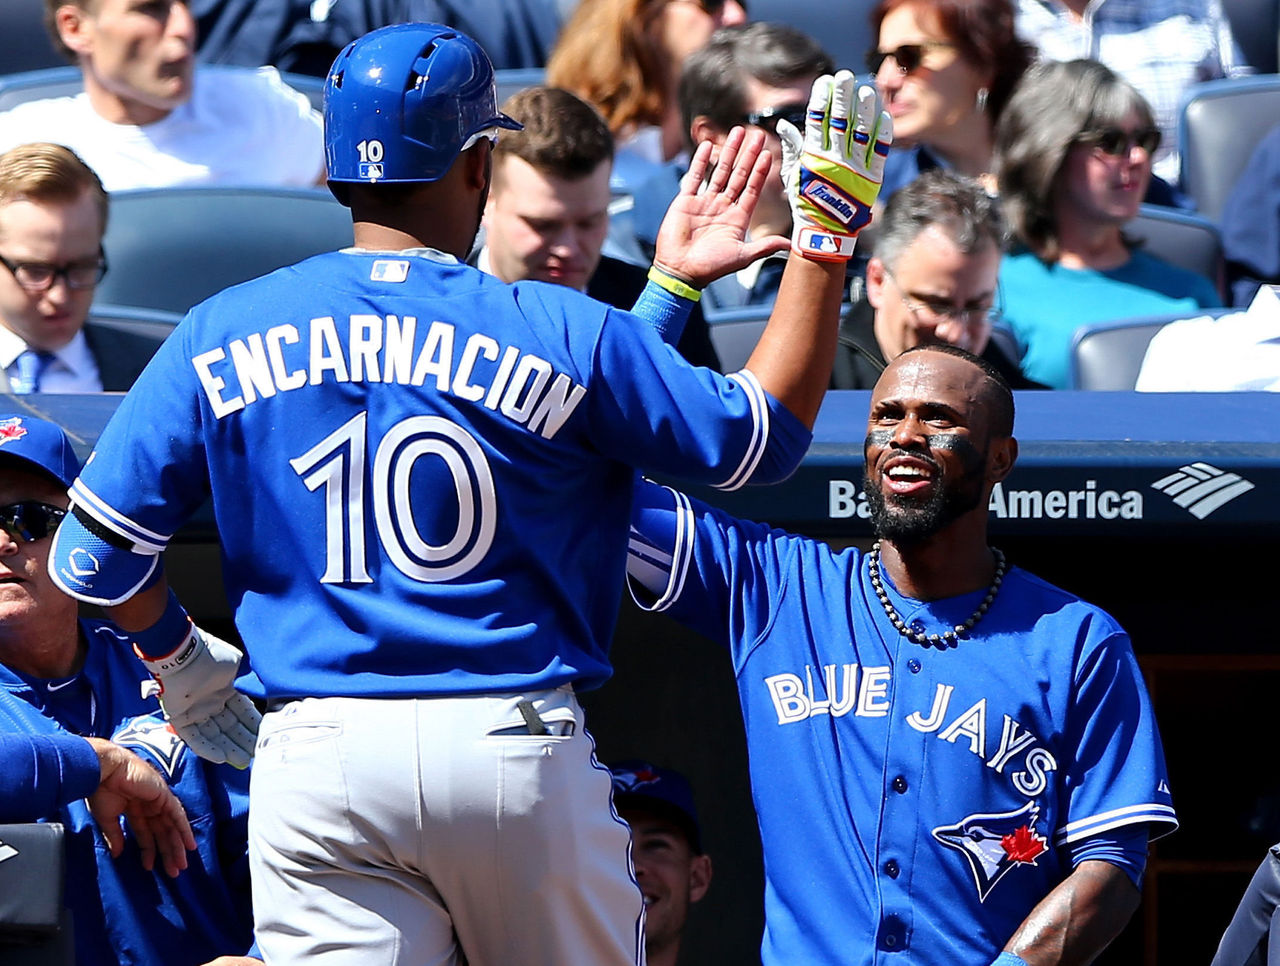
[
  {"x": 130, "y": 787},
  {"x": 704, "y": 234},
  {"x": 833, "y": 172}
]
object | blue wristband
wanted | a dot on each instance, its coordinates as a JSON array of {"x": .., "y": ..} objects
[
  {"x": 664, "y": 310},
  {"x": 1008, "y": 959},
  {"x": 166, "y": 634}
]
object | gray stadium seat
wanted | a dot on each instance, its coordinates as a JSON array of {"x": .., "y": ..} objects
[
  {"x": 514, "y": 80},
  {"x": 1107, "y": 356},
  {"x": 734, "y": 333},
  {"x": 63, "y": 81},
  {"x": 843, "y": 29},
  {"x": 170, "y": 248},
  {"x": 24, "y": 44},
  {"x": 1222, "y": 122},
  {"x": 1183, "y": 239},
  {"x": 1256, "y": 27}
]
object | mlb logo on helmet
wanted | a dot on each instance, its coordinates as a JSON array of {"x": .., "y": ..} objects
[{"x": 370, "y": 171}]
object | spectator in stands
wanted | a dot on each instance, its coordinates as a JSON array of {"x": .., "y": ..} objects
[
  {"x": 1074, "y": 152},
  {"x": 304, "y": 36},
  {"x": 755, "y": 74},
  {"x": 1161, "y": 47},
  {"x": 1251, "y": 223},
  {"x": 548, "y": 210},
  {"x": 666, "y": 848},
  {"x": 53, "y": 212},
  {"x": 61, "y": 677},
  {"x": 1239, "y": 351},
  {"x": 946, "y": 69},
  {"x": 624, "y": 57},
  {"x": 933, "y": 278},
  {"x": 145, "y": 119}
]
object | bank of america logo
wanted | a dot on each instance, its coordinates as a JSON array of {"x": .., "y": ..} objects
[{"x": 1201, "y": 488}]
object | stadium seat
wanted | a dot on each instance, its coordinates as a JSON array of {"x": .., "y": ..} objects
[
  {"x": 1107, "y": 356},
  {"x": 34, "y": 85},
  {"x": 514, "y": 80},
  {"x": 1256, "y": 26},
  {"x": 1222, "y": 122},
  {"x": 1183, "y": 239},
  {"x": 24, "y": 44},
  {"x": 734, "y": 333},
  {"x": 170, "y": 248},
  {"x": 843, "y": 30}
]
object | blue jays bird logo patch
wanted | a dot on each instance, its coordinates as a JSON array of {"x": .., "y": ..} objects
[
  {"x": 993, "y": 843},
  {"x": 153, "y": 736}
]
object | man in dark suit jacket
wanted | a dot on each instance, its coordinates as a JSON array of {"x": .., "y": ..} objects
[
  {"x": 547, "y": 215},
  {"x": 932, "y": 278},
  {"x": 53, "y": 212}
]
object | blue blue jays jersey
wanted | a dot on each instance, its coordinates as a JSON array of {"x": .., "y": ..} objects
[
  {"x": 914, "y": 803},
  {"x": 421, "y": 475},
  {"x": 122, "y": 913}
]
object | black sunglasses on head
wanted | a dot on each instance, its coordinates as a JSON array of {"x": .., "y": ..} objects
[
  {"x": 768, "y": 118},
  {"x": 908, "y": 57},
  {"x": 30, "y": 520},
  {"x": 1117, "y": 142}
]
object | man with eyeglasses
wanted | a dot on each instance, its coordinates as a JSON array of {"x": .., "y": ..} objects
[
  {"x": 932, "y": 279},
  {"x": 755, "y": 74},
  {"x": 53, "y": 213},
  {"x": 87, "y": 709}
]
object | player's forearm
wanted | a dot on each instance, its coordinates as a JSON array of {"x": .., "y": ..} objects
[
  {"x": 1078, "y": 919},
  {"x": 143, "y": 609},
  {"x": 795, "y": 353}
]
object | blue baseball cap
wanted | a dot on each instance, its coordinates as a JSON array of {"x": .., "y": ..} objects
[
  {"x": 663, "y": 791},
  {"x": 38, "y": 445}
]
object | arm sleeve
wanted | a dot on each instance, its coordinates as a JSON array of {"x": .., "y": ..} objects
[
  {"x": 1117, "y": 778},
  {"x": 41, "y": 773},
  {"x": 1125, "y": 847},
  {"x": 722, "y": 577},
  {"x": 668, "y": 417}
]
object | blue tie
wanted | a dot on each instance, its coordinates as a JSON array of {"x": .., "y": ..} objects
[{"x": 31, "y": 366}]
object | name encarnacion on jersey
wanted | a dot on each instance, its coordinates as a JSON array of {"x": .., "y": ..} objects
[
  {"x": 845, "y": 500},
  {"x": 520, "y": 385},
  {"x": 864, "y": 692}
]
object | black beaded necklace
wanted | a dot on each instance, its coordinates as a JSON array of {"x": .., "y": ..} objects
[{"x": 946, "y": 638}]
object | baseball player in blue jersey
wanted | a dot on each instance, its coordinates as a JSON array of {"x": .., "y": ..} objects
[
  {"x": 952, "y": 761},
  {"x": 422, "y": 480},
  {"x": 73, "y": 697}
]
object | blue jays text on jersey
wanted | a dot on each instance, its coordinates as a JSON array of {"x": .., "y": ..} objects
[
  {"x": 122, "y": 914},
  {"x": 914, "y": 803},
  {"x": 407, "y": 422}
]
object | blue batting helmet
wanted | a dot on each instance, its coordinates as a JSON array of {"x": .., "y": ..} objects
[{"x": 402, "y": 102}]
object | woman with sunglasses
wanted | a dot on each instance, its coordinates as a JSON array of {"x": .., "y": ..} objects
[
  {"x": 624, "y": 58},
  {"x": 1073, "y": 160},
  {"x": 945, "y": 69}
]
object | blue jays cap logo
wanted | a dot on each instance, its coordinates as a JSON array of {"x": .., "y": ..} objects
[
  {"x": 993, "y": 843},
  {"x": 630, "y": 780},
  {"x": 11, "y": 429}
]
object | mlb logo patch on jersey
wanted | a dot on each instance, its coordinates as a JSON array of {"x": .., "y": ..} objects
[{"x": 389, "y": 270}]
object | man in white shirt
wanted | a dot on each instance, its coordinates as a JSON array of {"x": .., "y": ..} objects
[
  {"x": 1239, "y": 351},
  {"x": 149, "y": 118},
  {"x": 53, "y": 212}
]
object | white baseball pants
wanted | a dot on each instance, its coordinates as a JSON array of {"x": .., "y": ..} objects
[{"x": 434, "y": 831}]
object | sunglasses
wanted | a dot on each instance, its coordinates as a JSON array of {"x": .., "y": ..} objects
[
  {"x": 908, "y": 57},
  {"x": 768, "y": 118},
  {"x": 1117, "y": 143},
  {"x": 30, "y": 520}
]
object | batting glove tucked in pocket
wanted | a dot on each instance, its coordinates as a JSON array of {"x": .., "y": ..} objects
[{"x": 833, "y": 172}]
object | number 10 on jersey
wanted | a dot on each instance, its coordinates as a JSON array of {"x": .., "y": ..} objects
[{"x": 338, "y": 464}]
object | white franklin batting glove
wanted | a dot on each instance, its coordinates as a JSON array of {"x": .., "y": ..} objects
[
  {"x": 832, "y": 174},
  {"x": 200, "y": 701}
]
